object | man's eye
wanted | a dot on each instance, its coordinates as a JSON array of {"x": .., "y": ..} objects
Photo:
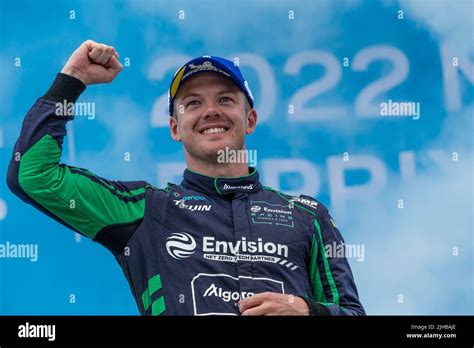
[
  {"x": 225, "y": 99},
  {"x": 193, "y": 102}
]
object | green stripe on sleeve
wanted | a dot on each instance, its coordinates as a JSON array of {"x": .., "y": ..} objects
[
  {"x": 131, "y": 193},
  {"x": 316, "y": 284},
  {"x": 332, "y": 284},
  {"x": 77, "y": 200}
]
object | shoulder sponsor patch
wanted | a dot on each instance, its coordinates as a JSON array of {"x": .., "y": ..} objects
[{"x": 306, "y": 201}]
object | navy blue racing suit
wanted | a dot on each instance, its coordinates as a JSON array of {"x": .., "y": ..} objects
[{"x": 196, "y": 248}]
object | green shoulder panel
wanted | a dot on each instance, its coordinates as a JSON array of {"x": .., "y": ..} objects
[{"x": 87, "y": 205}]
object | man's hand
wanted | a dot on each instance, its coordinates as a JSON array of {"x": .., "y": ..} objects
[
  {"x": 93, "y": 63},
  {"x": 271, "y": 303}
]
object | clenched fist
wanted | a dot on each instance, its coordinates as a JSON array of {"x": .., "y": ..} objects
[{"x": 93, "y": 63}]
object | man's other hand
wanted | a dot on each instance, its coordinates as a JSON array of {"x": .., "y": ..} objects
[{"x": 271, "y": 303}]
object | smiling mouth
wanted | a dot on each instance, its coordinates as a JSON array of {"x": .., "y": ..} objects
[{"x": 215, "y": 130}]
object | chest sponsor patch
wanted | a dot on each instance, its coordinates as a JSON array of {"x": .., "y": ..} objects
[
  {"x": 247, "y": 250},
  {"x": 262, "y": 212},
  {"x": 219, "y": 294},
  {"x": 182, "y": 204},
  {"x": 182, "y": 245}
]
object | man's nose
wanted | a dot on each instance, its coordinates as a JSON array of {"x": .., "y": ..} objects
[{"x": 212, "y": 109}]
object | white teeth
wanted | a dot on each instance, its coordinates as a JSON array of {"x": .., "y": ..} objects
[{"x": 214, "y": 131}]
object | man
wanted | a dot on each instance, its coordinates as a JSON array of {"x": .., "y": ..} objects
[{"x": 218, "y": 243}]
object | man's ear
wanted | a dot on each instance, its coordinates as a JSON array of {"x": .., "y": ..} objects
[
  {"x": 251, "y": 121},
  {"x": 174, "y": 129}
]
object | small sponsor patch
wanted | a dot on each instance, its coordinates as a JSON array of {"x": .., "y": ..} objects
[
  {"x": 307, "y": 202},
  {"x": 262, "y": 212}
]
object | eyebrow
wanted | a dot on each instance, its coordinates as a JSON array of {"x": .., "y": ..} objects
[
  {"x": 226, "y": 91},
  {"x": 190, "y": 95}
]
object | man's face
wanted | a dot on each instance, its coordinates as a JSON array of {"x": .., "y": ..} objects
[{"x": 210, "y": 114}]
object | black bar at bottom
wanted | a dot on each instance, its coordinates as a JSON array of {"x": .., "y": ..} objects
[{"x": 418, "y": 330}]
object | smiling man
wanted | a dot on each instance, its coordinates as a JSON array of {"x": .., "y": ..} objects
[
  {"x": 213, "y": 114},
  {"x": 220, "y": 242}
]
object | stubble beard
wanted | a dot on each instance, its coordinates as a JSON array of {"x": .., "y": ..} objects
[{"x": 209, "y": 156}]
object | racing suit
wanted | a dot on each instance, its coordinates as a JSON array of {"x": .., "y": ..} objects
[{"x": 191, "y": 249}]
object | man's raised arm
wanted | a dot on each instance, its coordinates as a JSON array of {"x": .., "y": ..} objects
[{"x": 106, "y": 211}]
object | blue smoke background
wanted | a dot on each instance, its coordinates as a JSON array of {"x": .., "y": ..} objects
[{"x": 322, "y": 57}]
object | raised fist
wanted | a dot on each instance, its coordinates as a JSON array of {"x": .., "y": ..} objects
[{"x": 93, "y": 63}]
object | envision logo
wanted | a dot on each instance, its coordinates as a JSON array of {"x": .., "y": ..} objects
[
  {"x": 180, "y": 245},
  {"x": 226, "y": 295},
  {"x": 183, "y": 245},
  {"x": 278, "y": 211},
  {"x": 211, "y": 245},
  {"x": 241, "y": 187},
  {"x": 255, "y": 208}
]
